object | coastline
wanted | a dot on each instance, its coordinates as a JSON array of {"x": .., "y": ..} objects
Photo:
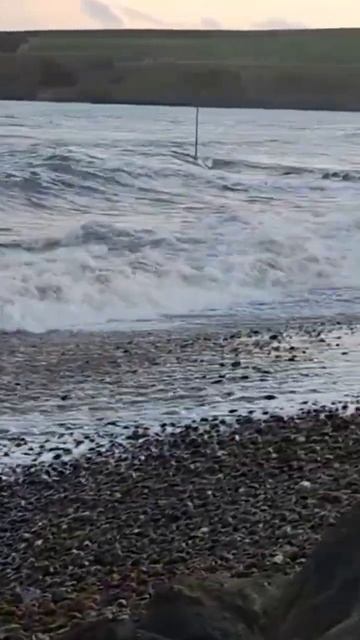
[
  {"x": 64, "y": 391},
  {"x": 48, "y": 99}
]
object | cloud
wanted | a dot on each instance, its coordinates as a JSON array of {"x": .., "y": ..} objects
[
  {"x": 278, "y": 23},
  {"x": 137, "y": 16},
  {"x": 100, "y": 11},
  {"x": 210, "y": 23}
]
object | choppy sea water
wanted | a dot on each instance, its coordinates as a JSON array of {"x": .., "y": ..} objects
[
  {"x": 106, "y": 221},
  {"x": 108, "y": 224}
]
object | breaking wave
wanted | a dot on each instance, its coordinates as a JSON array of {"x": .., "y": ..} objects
[{"x": 102, "y": 275}]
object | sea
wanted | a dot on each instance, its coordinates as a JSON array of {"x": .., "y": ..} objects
[
  {"x": 106, "y": 220},
  {"x": 109, "y": 224}
]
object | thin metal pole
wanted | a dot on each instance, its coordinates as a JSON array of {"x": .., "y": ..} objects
[{"x": 196, "y": 154}]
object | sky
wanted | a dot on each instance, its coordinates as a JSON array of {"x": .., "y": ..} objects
[{"x": 227, "y": 14}]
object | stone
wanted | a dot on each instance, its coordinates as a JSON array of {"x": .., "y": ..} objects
[
  {"x": 58, "y": 595},
  {"x": 279, "y": 559},
  {"x": 323, "y": 600},
  {"x": 107, "y": 630},
  {"x": 212, "y": 609},
  {"x": 11, "y": 632},
  {"x": 305, "y": 486}
]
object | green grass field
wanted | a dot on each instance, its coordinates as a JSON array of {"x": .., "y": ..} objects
[
  {"x": 271, "y": 47},
  {"x": 282, "y": 69}
]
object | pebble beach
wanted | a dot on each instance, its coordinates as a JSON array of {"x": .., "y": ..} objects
[{"x": 91, "y": 521}]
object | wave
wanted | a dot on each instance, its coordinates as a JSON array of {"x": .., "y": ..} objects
[
  {"x": 81, "y": 188},
  {"x": 59, "y": 174},
  {"x": 278, "y": 169},
  {"x": 106, "y": 220},
  {"x": 344, "y": 176},
  {"x": 103, "y": 275},
  {"x": 112, "y": 237},
  {"x": 46, "y": 174}
]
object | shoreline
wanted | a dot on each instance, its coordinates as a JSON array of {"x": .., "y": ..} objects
[
  {"x": 114, "y": 509},
  {"x": 63, "y": 392},
  {"x": 186, "y": 104},
  {"x": 93, "y": 534}
]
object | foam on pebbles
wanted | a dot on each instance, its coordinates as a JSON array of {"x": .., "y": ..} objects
[{"x": 62, "y": 394}]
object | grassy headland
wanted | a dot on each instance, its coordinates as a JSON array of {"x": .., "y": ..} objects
[{"x": 307, "y": 69}]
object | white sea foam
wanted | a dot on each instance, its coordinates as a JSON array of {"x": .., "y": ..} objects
[{"x": 122, "y": 278}]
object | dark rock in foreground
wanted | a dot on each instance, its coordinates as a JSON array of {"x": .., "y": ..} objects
[
  {"x": 322, "y": 602},
  {"x": 211, "y": 609}
]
